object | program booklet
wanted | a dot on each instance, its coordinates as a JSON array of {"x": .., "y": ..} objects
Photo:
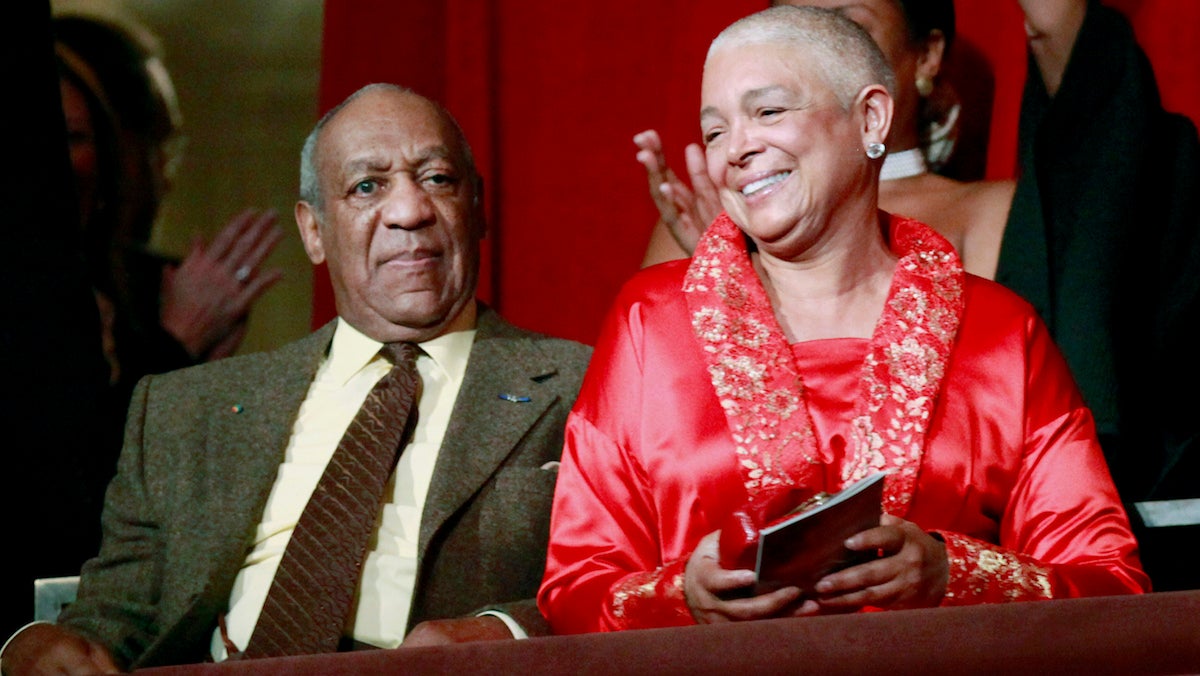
[{"x": 800, "y": 549}]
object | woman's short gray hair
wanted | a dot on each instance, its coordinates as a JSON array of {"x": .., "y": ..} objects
[{"x": 846, "y": 55}]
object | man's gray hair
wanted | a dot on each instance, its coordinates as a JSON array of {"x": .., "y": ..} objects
[
  {"x": 310, "y": 181},
  {"x": 846, "y": 56}
]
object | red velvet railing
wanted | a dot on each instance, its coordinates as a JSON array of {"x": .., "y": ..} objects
[{"x": 1126, "y": 635}]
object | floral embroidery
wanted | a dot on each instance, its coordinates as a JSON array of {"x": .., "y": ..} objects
[
  {"x": 762, "y": 392},
  {"x": 642, "y": 595},
  {"x": 984, "y": 573}
]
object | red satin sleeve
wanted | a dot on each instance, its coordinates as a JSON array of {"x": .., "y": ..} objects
[
  {"x": 642, "y": 440},
  {"x": 1059, "y": 529},
  {"x": 604, "y": 570}
]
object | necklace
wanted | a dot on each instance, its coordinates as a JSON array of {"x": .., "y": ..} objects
[{"x": 903, "y": 164}]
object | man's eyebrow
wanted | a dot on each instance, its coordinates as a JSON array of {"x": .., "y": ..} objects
[
  {"x": 369, "y": 163},
  {"x": 436, "y": 152},
  {"x": 381, "y": 163}
]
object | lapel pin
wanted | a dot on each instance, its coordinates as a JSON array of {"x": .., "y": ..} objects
[
  {"x": 236, "y": 408},
  {"x": 515, "y": 398}
]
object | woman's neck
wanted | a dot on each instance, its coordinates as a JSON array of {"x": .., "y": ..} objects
[{"x": 836, "y": 293}]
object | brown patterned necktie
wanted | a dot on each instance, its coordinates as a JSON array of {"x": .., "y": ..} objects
[{"x": 310, "y": 598}]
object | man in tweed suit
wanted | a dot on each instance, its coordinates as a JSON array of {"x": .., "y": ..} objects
[{"x": 219, "y": 459}]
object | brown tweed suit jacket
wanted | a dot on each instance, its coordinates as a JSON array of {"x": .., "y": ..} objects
[{"x": 201, "y": 452}]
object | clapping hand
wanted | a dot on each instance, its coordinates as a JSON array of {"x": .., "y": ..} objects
[
  {"x": 207, "y": 297},
  {"x": 686, "y": 212}
]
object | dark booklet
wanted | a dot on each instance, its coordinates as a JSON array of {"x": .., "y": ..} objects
[{"x": 800, "y": 549}]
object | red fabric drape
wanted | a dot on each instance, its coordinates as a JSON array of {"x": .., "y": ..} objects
[{"x": 551, "y": 93}]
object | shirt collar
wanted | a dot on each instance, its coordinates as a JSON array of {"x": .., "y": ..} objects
[{"x": 351, "y": 351}]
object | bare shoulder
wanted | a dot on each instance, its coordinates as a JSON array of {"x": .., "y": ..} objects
[
  {"x": 989, "y": 203},
  {"x": 994, "y": 195}
]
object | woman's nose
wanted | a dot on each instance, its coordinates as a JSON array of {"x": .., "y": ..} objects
[{"x": 743, "y": 143}]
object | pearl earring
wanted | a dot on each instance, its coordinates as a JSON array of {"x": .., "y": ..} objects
[
  {"x": 924, "y": 86},
  {"x": 875, "y": 150}
]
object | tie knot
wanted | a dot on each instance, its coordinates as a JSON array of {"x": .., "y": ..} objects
[{"x": 400, "y": 354}]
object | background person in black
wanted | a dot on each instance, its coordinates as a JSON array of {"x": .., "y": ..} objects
[
  {"x": 53, "y": 368},
  {"x": 1104, "y": 240},
  {"x": 125, "y": 132}
]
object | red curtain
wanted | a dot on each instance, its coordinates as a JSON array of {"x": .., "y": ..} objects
[{"x": 551, "y": 93}]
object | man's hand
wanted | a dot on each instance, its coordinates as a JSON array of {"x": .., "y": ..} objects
[
  {"x": 458, "y": 630},
  {"x": 912, "y": 573},
  {"x": 705, "y": 584},
  {"x": 44, "y": 649},
  {"x": 686, "y": 212},
  {"x": 206, "y": 299}
]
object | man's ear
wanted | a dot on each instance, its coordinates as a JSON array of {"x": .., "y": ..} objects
[
  {"x": 876, "y": 106},
  {"x": 310, "y": 232}
]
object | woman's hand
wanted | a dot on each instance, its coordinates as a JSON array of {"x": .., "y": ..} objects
[
  {"x": 207, "y": 298},
  {"x": 912, "y": 572},
  {"x": 708, "y": 587},
  {"x": 685, "y": 212}
]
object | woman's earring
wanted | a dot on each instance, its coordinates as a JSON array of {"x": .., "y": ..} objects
[
  {"x": 875, "y": 150},
  {"x": 924, "y": 86}
]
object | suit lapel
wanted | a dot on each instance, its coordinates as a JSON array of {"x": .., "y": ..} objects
[
  {"x": 249, "y": 433},
  {"x": 485, "y": 427},
  {"x": 249, "y": 414}
]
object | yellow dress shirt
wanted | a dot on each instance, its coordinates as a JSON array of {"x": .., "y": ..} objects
[{"x": 343, "y": 380}]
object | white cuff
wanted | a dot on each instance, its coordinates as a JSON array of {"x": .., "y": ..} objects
[{"x": 517, "y": 631}]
